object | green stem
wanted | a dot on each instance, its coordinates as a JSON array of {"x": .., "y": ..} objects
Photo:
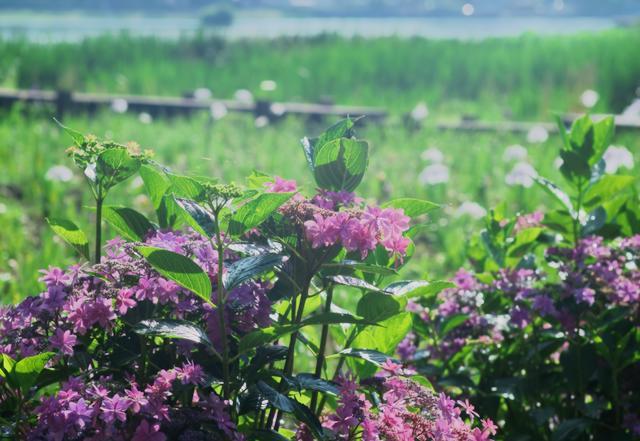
[
  {"x": 98, "y": 249},
  {"x": 274, "y": 420},
  {"x": 220, "y": 307},
  {"x": 323, "y": 344}
]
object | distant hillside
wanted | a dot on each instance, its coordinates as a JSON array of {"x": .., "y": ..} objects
[{"x": 347, "y": 7}]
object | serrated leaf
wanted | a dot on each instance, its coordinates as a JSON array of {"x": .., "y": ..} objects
[
  {"x": 114, "y": 166},
  {"x": 256, "y": 211},
  {"x": 185, "y": 187},
  {"x": 72, "y": 234},
  {"x": 127, "y": 222},
  {"x": 247, "y": 268},
  {"x": 180, "y": 269},
  {"x": 376, "y": 306},
  {"x": 78, "y": 138},
  {"x": 340, "y": 164},
  {"x": 179, "y": 329}
]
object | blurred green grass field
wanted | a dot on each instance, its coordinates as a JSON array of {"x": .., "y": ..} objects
[{"x": 524, "y": 78}]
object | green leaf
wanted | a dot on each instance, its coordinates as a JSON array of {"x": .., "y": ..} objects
[
  {"x": 254, "y": 249},
  {"x": 603, "y": 132},
  {"x": 451, "y": 322},
  {"x": 185, "y": 187},
  {"x": 353, "y": 282},
  {"x": 411, "y": 207},
  {"x": 179, "y": 329},
  {"x": 607, "y": 188},
  {"x": 376, "y": 306},
  {"x": 198, "y": 217},
  {"x": 180, "y": 269},
  {"x": 575, "y": 166},
  {"x": 157, "y": 183},
  {"x": 375, "y": 357},
  {"x": 78, "y": 138},
  {"x": 246, "y": 269},
  {"x": 266, "y": 335},
  {"x": 114, "y": 166},
  {"x": 341, "y": 129},
  {"x": 307, "y": 381},
  {"x": 410, "y": 289},
  {"x": 354, "y": 265},
  {"x": 256, "y": 211},
  {"x": 27, "y": 370},
  {"x": 127, "y": 222},
  {"x": 340, "y": 164},
  {"x": 558, "y": 194},
  {"x": 72, "y": 234},
  {"x": 523, "y": 242}
]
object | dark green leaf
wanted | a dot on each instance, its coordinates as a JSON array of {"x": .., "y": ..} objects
[
  {"x": 376, "y": 306},
  {"x": 353, "y": 282},
  {"x": 340, "y": 164},
  {"x": 595, "y": 220},
  {"x": 353, "y": 265},
  {"x": 182, "y": 270},
  {"x": 417, "y": 288},
  {"x": 71, "y": 234},
  {"x": 253, "y": 249},
  {"x": 266, "y": 435},
  {"x": 198, "y": 217},
  {"x": 376, "y": 357},
  {"x": 179, "y": 329},
  {"x": 247, "y": 268},
  {"x": 558, "y": 194},
  {"x": 127, "y": 222},
  {"x": 256, "y": 211},
  {"x": 570, "y": 429},
  {"x": 311, "y": 382}
]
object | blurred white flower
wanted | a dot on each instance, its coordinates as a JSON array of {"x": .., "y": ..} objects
[
  {"x": 514, "y": 152},
  {"x": 3, "y": 208},
  {"x": 59, "y": 173},
  {"x": 522, "y": 174},
  {"x": 145, "y": 118},
  {"x": 589, "y": 98},
  {"x": 616, "y": 157},
  {"x": 468, "y": 9},
  {"x": 119, "y": 105},
  {"x": 472, "y": 209},
  {"x": 268, "y": 85},
  {"x": 557, "y": 163},
  {"x": 434, "y": 174},
  {"x": 420, "y": 111},
  {"x": 90, "y": 172},
  {"x": 243, "y": 95},
  {"x": 218, "y": 110},
  {"x": 277, "y": 109},
  {"x": 537, "y": 134},
  {"x": 201, "y": 94},
  {"x": 432, "y": 154},
  {"x": 261, "y": 121},
  {"x": 5, "y": 277},
  {"x": 303, "y": 72}
]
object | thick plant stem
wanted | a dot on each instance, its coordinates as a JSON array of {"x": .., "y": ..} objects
[
  {"x": 98, "y": 249},
  {"x": 324, "y": 337}
]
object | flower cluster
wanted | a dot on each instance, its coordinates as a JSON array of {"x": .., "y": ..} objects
[
  {"x": 407, "y": 411},
  {"x": 340, "y": 218},
  {"x": 82, "y": 315}
]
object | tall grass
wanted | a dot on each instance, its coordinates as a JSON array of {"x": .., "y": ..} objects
[{"x": 525, "y": 77}]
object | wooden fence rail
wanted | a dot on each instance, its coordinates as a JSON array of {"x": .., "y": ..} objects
[{"x": 65, "y": 101}]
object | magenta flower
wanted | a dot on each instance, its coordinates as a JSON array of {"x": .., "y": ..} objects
[
  {"x": 468, "y": 408},
  {"x": 190, "y": 373},
  {"x": 280, "y": 185},
  {"x": 324, "y": 232},
  {"x": 63, "y": 341},
  {"x": 114, "y": 409},
  {"x": 125, "y": 301}
]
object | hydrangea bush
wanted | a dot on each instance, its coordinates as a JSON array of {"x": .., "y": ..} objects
[
  {"x": 219, "y": 320},
  {"x": 544, "y": 332}
]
